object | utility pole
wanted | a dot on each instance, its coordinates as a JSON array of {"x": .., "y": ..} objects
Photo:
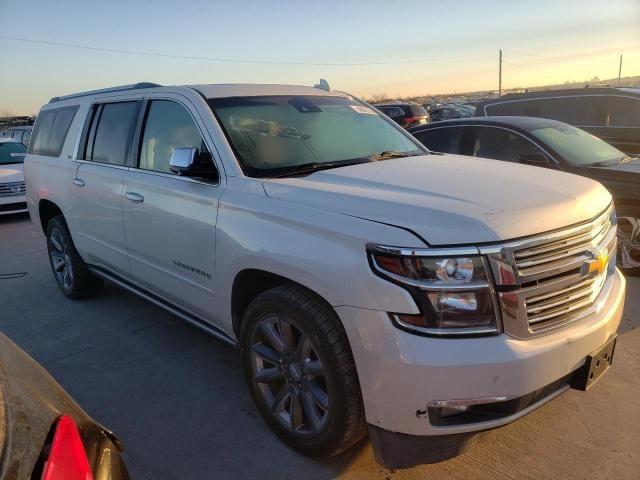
[
  {"x": 500, "y": 74},
  {"x": 620, "y": 70}
]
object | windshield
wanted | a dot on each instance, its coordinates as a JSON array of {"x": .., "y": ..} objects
[
  {"x": 12, "y": 152},
  {"x": 578, "y": 146},
  {"x": 272, "y": 135}
]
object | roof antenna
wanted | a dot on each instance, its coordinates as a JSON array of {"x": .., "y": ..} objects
[{"x": 323, "y": 85}]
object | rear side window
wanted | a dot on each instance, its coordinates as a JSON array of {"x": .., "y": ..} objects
[
  {"x": 111, "y": 131},
  {"x": 51, "y": 131},
  {"x": 623, "y": 111},
  {"x": 417, "y": 110},
  {"x": 392, "y": 112},
  {"x": 499, "y": 144},
  {"x": 444, "y": 140},
  {"x": 576, "y": 110}
]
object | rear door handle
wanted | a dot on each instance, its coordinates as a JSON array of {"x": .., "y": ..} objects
[
  {"x": 78, "y": 182},
  {"x": 134, "y": 197}
]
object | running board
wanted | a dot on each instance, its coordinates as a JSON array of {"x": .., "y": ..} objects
[{"x": 178, "y": 312}]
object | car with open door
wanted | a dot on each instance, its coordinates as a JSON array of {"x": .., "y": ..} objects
[{"x": 556, "y": 146}]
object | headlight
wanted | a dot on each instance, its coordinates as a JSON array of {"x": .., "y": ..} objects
[{"x": 454, "y": 293}]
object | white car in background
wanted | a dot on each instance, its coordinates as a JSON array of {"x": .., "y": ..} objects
[{"x": 12, "y": 189}]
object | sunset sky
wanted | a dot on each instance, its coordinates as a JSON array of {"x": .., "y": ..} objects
[{"x": 363, "y": 47}]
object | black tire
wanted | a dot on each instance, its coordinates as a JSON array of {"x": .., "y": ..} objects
[
  {"x": 71, "y": 273},
  {"x": 628, "y": 255},
  {"x": 343, "y": 422}
]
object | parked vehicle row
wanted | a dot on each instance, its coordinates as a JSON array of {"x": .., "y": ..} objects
[
  {"x": 556, "y": 146},
  {"x": 405, "y": 114},
  {"x": 12, "y": 186},
  {"x": 370, "y": 285}
]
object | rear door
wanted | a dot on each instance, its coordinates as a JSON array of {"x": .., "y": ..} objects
[
  {"x": 501, "y": 144},
  {"x": 96, "y": 193},
  {"x": 442, "y": 139},
  {"x": 170, "y": 220}
]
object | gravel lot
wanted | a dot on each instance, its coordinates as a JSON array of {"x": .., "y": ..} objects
[{"x": 176, "y": 396}]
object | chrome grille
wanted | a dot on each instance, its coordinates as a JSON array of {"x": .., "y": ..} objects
[
  {"x": 545, "y": 280},
  {"x": 12, "y": 189}
]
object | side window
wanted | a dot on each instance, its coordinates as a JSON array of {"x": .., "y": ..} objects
[
  {"x": 445, "y": 140},
  {"x": 392, "y": 112},
  {"x": 450, "y": 113},
  {"x": 623, "y": 111},
  {"x": 499, "y": 144},
  {"x": 111, "y": 131},
  {"x": 168, "y": 126},
  {"x": 51, "y": 131}
]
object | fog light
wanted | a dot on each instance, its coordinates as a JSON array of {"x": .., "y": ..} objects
[{"x": 451, "y": 411}]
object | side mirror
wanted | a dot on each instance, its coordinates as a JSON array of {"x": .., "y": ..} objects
[
  {"x": 537, "y": 159},
  {"x": 189, "y": 162}
]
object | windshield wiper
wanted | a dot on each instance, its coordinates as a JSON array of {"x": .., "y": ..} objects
[
  {"x": 608, "y": 163},
  {"x": 387, "y": 154},
  {"x": 311, "y": 167}
]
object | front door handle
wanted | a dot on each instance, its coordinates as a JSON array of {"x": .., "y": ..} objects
[
  {"x": 134, "y": 197},
  {"x": 78, "y": 182}
]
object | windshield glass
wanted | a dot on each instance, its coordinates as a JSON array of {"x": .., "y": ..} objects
[
  {"x": 578, "y": 146},
  {"x": 276, "y": 134},
  {"x": 12, "y": 152}
]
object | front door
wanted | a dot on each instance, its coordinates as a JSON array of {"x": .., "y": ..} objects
[{"x": 170, "y": 220}]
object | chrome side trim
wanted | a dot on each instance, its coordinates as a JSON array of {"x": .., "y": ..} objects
[
  {"x": 178, "y": 312},
  {"x": 469, "y": 402}
]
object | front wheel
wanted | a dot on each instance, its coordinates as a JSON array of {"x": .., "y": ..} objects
[
  {"x": 300, "y": 371},
  {"x": 628, "y": 254}
]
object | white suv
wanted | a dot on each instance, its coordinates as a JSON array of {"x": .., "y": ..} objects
[{"x": 368, "y": 283}]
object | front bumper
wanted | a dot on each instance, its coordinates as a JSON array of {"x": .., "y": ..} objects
[
  {"x": 13, "y": 204},
  {"x": 401, "y": 373}
]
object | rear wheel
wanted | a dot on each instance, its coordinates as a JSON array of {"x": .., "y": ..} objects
[
  {"x": 300, "y": 371},
  {"x": 73, "y": 277},
  {"x": 629, "y": 240}
]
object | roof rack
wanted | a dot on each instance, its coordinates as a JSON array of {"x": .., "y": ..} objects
[{"x": 121, "y": 88}]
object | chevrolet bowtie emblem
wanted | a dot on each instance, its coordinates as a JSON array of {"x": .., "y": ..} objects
[{"x": 597, "y": 264}]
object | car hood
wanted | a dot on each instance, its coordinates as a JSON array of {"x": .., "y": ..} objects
[
  {"x": 450, "y": 199},
  {"x": 13, "y": 172}
]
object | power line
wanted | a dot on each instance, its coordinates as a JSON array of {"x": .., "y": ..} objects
[{"x": 228, "y": 60}]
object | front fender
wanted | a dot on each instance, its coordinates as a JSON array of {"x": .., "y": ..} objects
[{"x": 323, "y": 251}]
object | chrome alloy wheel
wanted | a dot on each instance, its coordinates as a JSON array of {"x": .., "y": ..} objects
[
  {"x": 289, "y": 375},
  {"x": 628, "y": 242},
  {"x": 60, "y": 259}
]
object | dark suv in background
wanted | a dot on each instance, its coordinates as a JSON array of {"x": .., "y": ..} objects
[
  {"x": 612, "y": 114},
  {"x": 557, "y": 146},
  {"x": 405, "y": 114}
]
